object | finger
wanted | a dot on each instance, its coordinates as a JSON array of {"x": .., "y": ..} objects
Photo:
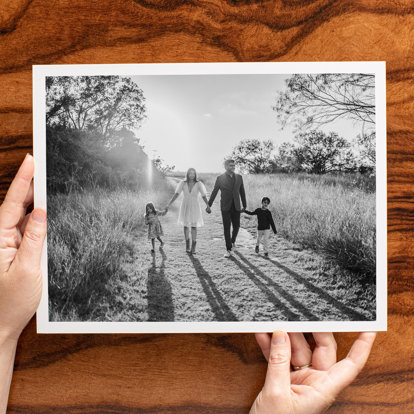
[
  {"x": 346, "y": 370},
  {"x": 263, "y": 340},
  {"x": 26, "y": 203},
  {"x": 277, "y": 382},
  {"x": 324, "y": 354},
  {"x": 13, "y": 207},
  {"x": 301, "y": 351},
  {"x": 30, "y": 250},
  {"x": 29, "y": 196},
  {"x": 23, "y": 223}
]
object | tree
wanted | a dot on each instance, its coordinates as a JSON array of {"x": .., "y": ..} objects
[
  {"x": 254, "y": 156},
  {"x": 286, "y": 160},
  {"x": 313, "y": 100},
  {"x": 367, "y": 149},
  {"x": 101, "y": 103},
  {"x": 320, "y": 153},
  {"x": 162, "y": 167}
]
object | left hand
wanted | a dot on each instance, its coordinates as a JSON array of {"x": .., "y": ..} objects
[
  {"x": 311, "y": 390},
  {"x": 21, "y": 243}
]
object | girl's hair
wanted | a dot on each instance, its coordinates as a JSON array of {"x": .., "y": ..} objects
[
  {"x": 150, "y": 206},
  {"x": 187, "y": 175}
]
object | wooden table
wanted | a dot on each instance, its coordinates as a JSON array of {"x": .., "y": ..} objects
[{"x": 208, "y": 373}]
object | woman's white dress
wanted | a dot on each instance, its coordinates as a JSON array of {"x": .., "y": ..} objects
[{"x": 190, "y": 210}]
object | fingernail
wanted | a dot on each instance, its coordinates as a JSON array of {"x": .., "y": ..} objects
[
  {"x": 278, "y": 338},
  {"x": 39, "y": 216}
]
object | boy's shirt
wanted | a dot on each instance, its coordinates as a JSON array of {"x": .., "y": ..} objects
[{"x": 264, "y": 219}]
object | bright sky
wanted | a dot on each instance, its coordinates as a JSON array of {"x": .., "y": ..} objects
[{"x": 196, "y": 121}]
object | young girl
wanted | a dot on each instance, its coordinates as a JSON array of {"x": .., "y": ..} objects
[{"x": 154, "y": 225}]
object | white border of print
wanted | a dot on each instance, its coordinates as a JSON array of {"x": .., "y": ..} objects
[{"x": 39, "y": 149}]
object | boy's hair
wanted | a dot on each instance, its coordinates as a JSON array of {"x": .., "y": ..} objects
[
  {"x": 151, "y": 206},
  {"x": 266, "y": 199},
  {"x": 228, "y": 161}
]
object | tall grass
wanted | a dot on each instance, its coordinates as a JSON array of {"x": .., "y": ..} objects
[
  {"x": 333, "y": 214},
  {"x": 88, "y": 235},
  {"x": 338, "y": 220},
  {"x": 364, "y": 182}
]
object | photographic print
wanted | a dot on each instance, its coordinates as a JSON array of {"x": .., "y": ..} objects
[{"x": 221, "y": 197}]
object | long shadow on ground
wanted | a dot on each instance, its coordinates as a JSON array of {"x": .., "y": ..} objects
[
  {"x": 217, "y": 303},
  {"x": 255, "y": 275},
  {"x": 352, "y": 314},
  {"x": 159, "y": 293}
]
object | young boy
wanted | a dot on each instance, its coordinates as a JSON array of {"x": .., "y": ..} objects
[{"x": 264, "y": 222}]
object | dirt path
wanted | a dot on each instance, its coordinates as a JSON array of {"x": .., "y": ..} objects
[{"x": 293, "y": 284}]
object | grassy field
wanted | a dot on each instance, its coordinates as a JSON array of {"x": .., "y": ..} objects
[
  {"x": 333, "y": 215},
  {"x": 87, "y": 238},
  {"x": 100, "y": 267}
]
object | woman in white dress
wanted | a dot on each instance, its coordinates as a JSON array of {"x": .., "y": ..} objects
[{"x": 190, "y": 215}]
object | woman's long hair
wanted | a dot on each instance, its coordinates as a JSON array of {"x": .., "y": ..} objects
[
  {"x": 187, "y": 175},
  {"x": 151, "y": 207}
]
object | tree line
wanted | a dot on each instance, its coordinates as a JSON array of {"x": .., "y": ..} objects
[
  {"x": 90, "y": 139},
  {"x": 312, "y": 151},
  {"x": 308, "y": 102}
]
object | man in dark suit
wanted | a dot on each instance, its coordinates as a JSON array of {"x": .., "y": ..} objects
[{"x": 232, "y": 191}]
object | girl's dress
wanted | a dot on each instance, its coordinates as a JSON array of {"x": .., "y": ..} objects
[
  {"x": 154, "y": 225},
  {"x": 190, "y": 210}
]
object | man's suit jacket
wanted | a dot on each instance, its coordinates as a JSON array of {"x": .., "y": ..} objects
[{"x": 232, "y": 190}]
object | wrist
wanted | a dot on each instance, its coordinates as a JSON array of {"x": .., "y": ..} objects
[
  {"x": 8, "y": 341},
  {"x": 8, "y": 336}
]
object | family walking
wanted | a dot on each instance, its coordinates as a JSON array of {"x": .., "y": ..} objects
[{"x": 232, "y": 204}]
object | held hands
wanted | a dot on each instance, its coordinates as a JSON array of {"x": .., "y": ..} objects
[
  {"x": 309, "y": 390},
  {"x": 21, "y": 241},
  {"x": 208, "y": 209}
]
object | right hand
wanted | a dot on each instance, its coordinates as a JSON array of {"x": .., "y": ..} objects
[
  {"x": 311, "y": 390},
  {"x": 208, "y": 209}
]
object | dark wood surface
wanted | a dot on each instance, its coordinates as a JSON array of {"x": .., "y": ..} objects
[{"x": 208, "y": 373}]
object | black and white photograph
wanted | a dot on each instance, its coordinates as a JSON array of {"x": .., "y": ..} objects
[{"x": 212, "y": 197}]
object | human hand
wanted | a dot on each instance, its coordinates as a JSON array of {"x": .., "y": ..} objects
[
  {"x": 310, "y": 390},
  {"x": 208, "y": 209},
  {"x": 21, "y": 242}
]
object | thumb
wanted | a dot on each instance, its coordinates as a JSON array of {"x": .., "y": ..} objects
[
  {"x": 277, "y": 381},
  {"x": 30, "y": 250}
]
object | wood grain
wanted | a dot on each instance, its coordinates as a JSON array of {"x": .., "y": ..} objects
[{"x": 208, "y": 373}]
